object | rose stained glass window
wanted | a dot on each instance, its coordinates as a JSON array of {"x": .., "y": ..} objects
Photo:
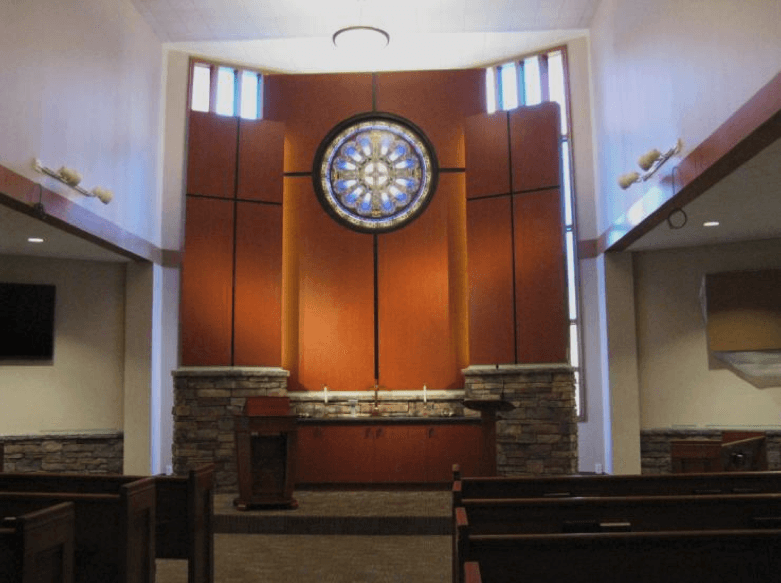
[{"x": 375, "y": 172}]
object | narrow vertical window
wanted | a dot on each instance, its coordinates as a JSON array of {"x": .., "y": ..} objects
[
  {"x": 531, "y": 80},
  {"x": 556, "y": 86},
  {"x": 490, "y": 90},
  {"x": 249, "y": 95},
  {"x": 509, "y": 86},
  {"x": 226, "y": 91},
  {"x": 201, "y": 88}
]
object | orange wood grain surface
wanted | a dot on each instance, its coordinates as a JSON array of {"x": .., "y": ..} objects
[
  {"x": 261, "y": 153},
  {"x": 309, "y": 106},
  {"x": 540, "y": 281},
  {"x": 207, "y": 283},
  {"x": 211, "y": 154},
  {"x": 534, "y": 144},
  {"x": 438, "y": 102},
  {"x": 487, "y": 154},
  {"x": 489, "y": 248},
  {"x": 258, "y": 295},
  {"x": 417, "y": 343},
  {"x": 336, "y": 302}
]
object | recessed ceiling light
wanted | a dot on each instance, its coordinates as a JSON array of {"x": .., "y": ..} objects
[
  {"x": 34, "y": 240},
  {"x": 361, "y": 38},
  {"x": 710, "y": 224}
]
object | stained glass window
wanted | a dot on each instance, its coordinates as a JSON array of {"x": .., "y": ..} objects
[{"x": 375, "y": 172}]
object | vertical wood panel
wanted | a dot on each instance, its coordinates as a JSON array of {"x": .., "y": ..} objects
[
  {"x": 534, "y": 138},
  {"x": 211, "y": 154},
  {"x": 438, "y": 102},
  {"x": 261, "y": 160},
  {"x": 309, "y": 106},
  {"x": 336, "y": 302},
  {"x": 416, "y": 338},
  {"x": 540, "y": 278},
  {"x": 207, "y": 282},
  {"x": 258, "y": 296},
  {"x": 489, "y": 248},
  {"x": 487, "y": 154}
]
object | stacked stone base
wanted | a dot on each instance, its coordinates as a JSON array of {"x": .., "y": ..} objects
[
  {"x": 82, "y": 453},
  {"x": 655, "y": 447},
  {"x": 540, "y": 435}
]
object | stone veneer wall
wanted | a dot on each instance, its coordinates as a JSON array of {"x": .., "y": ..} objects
[
  {"x": 655, "y": 447},
  {"x": 77, "y": 452},
  {"x": 206, "y": 400},
  {"x": 539, "y": 436}
]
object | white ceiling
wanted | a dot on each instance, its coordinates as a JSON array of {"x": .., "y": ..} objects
[{"x": 295, "y": 36}]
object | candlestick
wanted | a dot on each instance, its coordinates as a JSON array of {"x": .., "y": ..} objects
[
  {"x": 424, "y": 394},
  {"x": 325, "y": 394}
]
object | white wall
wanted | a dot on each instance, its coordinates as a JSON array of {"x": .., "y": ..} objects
[
  {"x": 83, "y": 386},
  {"x": 81, "y": 87},
  {"x": 676, "y": 385}
]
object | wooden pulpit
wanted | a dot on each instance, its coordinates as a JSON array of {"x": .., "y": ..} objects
[
  {"x": 488, "y": 409},
  {"x": 266, "y": 437}
]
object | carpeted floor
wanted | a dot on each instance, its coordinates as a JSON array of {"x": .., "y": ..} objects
[
  {"x": 372, "y": 537},
  {"x": 260, "y": 558}
]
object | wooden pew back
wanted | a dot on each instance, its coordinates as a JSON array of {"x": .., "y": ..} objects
[
  {"x": 608, "y": 485},
  {"x": 38, "y": 546},
  {"x": 646, "y": 513},
  {"x": 114, "y": 533},
  {"x": 184, "y": 509},
  {"x": 670, "y": 557}
]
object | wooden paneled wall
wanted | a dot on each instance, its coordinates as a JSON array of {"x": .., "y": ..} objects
[
  {"x": 269, "y": 279},
  {"x": 232, "y": 268},
  {"x": 515, "y": 238}
]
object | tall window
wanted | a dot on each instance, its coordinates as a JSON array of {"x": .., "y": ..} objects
[
  {"x": 529, "y": 81},
  {"x": 226, "y": 90}
]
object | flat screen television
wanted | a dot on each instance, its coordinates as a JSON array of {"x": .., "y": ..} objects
[{"x": 26, "y": 321}]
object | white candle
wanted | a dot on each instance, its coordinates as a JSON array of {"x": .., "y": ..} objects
[
  {"x": 325, "y": 394},
  {"x": 424, "y": 394}
]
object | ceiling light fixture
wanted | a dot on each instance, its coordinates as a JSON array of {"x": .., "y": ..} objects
[
  {"x": 710, "y": 224},
  {"x": 34, "y": 240},
  {"x": 361, "y": 38}
]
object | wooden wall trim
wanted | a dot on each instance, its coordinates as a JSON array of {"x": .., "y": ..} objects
[
  {"x": 754, "y": 126},
  {"x": 22, "y": 194}
]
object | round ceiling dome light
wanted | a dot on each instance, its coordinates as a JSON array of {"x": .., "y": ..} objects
[
  {"x": 361, "y": 38},
  {"x": 375, "y": 172}
]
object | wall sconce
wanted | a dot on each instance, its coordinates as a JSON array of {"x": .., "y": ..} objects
[
  {"x": 649, "y": 162},
  {"x": 72, "y": 178}
]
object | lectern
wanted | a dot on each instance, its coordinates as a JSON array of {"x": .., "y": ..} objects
[{"x": 266, "y": 439}]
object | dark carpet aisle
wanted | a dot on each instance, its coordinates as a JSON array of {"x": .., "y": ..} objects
[{"x": 361, "y": 537}]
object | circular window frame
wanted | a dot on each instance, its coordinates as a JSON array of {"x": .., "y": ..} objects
[{"x": 326, "y": 153}]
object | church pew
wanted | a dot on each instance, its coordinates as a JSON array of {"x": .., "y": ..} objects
[
  {"x": 37, "y": 547},
  {"x": 610, "y": 514},
  {"x": 472, "y": 572},
  {"x": 114, "y": 533},
  {"x": 183, "y": 509},
  {"x": 609, "y": 485},
  {"x": 724, "y": 556}
]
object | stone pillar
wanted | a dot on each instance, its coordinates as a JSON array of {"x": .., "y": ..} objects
[
  {"x": 539, "y": 436},
  {"x": 206, "y": 400}
]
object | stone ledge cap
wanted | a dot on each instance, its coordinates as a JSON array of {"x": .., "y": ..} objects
[
  {"x": 69, "y": 434},
  {"x": 230, "y": 371},
  {"x": 503, "y": 369}
]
